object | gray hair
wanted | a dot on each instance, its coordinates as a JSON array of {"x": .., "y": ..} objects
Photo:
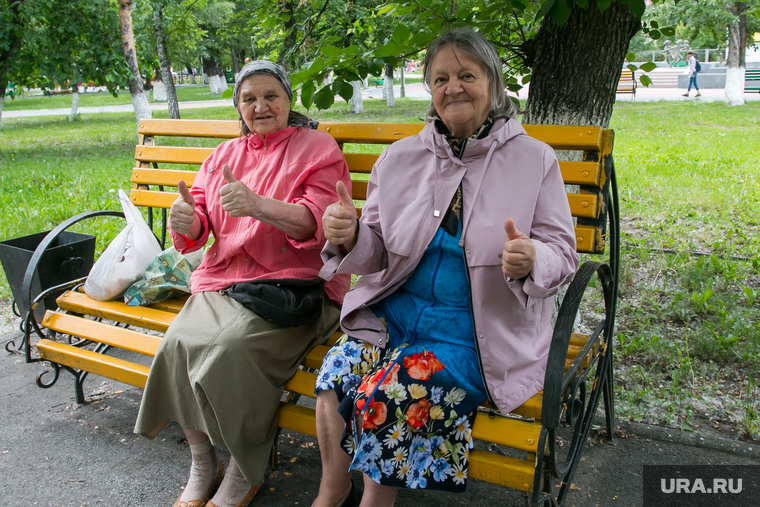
[{"x": 475, "y": 46}]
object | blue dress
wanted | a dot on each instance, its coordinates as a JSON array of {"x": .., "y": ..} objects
[{"x": 409, "y": 407}]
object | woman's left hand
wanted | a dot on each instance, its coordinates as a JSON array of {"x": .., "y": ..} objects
[
  {"x": 237, "y": 199},
  {"x": 519, "y": 252}
]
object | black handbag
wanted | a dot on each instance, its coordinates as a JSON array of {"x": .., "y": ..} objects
[{"x": 289, "y": 303}]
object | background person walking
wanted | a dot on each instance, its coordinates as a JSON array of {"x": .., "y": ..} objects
[{"x": 694, "y": 67}]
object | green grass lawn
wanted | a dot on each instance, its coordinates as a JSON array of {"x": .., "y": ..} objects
[
  {"x": 689, "y": 177},
  {"x": 185, "y": 93}
]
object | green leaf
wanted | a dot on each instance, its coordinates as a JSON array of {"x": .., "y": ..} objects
[
  {"x": 655, "y": 34},
  {"x": 637, "y": 7},
  {"x": 654, "y": 24},
  {"x": 345, "y": 90},
  {"x": 351, "y": 50},
  {"x": 324, "y": 98},
  {"x": 648, "y": 67},
  {"x": 668, "y": 31},
  {"x": 581, "y": 3},
  {"x": 331, "y": 51},
  {"x": 387, "y": 9},
  {"x": 632, "y": 68},
  {"x": 227, "y": 94},
  {"x": 629, "y": 57},
  {"x": 307, "y": 94},
  {"x": 603, "y": 4},
  {"x": 545, "y": 9},
  {"x": 317, "y": 66},
  {"x": 526, "y": 79},
  {"x": 645, "y": 80},
  {"x": 400, "y": 34},
  {"x": 332, "y": 39},
  {"x": 560, "y": 12},
  {"x": 389, "y": 49}
]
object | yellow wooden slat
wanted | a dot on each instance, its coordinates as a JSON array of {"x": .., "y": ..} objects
[
  {"x": 563, "y": 137},
  {"x": 165, "y": 177},
  {"x": 170, "y": 305},
  {"x": 505, "y": 431},
  {"x": 532, "y": 407},
  {"x": 510, "y": 472},
  {"x": 302, "y": 382},
  {"x": 102, "y": 333},
  {"x": 584, "y": 205},
  {"x": 99, "y": 364},
  {"x": 172, "y": 154},
  {"x": 223, "y": 129},
  {"x": 581, "y": 173},
  {"x": 140, "y": 316},
  {"x": 588, "y": 239},
  {"x": 360, "y": 162},
  {"x": 296, "y": 418},
  {"x": 359, "y": 190},
  {"x": 315, "y": 356},
  {"x": 370, "y": 133},
  {"x": 152, "y": 198}
]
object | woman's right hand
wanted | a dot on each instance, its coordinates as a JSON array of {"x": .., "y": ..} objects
[
  {"x": 182, "y": 216},
  {"x": 339, "y": 221}
]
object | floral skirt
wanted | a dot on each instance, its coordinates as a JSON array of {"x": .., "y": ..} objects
[{"x": 408, "y": 414}]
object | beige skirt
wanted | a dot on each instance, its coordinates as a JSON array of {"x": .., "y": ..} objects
[{"x": 220, "y": 369}]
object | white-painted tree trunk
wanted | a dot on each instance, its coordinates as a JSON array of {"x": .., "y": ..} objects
[
  {"x": 204, "y": 78},
  {"x": 74, "y": 106},
  {"x": 141, "y": 106},
  {"x": 356, "y": 104},
  {"x": 735, "y": 86},
  {"x": 390, "y": 100},
  {"x": 217, "y": 84},
  {"x": 159, "y": 91}
]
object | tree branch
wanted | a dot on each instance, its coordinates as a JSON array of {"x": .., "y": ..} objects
[{"x": 311, "y": 29}]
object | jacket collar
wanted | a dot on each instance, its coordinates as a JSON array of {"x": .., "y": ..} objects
[
  {"x": 502, "y": 130},
  {"x": 255, "y": 142}
]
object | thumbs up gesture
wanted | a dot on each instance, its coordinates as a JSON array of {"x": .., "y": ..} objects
[
  {"x": 237, "y": 199},
  {"x": 519, "y": 252},
  {"x": 182, "y": 215},
  {"x": 339, "y": 220}
]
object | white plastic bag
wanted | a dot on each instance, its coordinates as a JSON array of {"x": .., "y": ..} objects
[{"x": 125, "y": 259}]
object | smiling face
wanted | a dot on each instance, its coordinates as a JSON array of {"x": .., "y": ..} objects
[
  {"x": 459, "y": 86},
  {"x": 263, "y": 104}
]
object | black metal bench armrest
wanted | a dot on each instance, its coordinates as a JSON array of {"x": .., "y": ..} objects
[{"x": 557, "y": 379}]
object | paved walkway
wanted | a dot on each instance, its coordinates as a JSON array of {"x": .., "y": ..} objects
[
  {"x": 416, "y": 91},
  {"x": 56, "y": 453}
]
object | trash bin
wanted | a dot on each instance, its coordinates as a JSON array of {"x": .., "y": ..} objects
[{"x": 69, "y": 257}]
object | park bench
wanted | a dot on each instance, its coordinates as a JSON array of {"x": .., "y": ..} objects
[
  {"x": 531, "y": 450},
  {"x": 627, "y": 83},
  {"x": 752, "y": 80},
  {"x": 377, "y": 81}
]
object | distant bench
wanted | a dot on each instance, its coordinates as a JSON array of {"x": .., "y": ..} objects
[
  {"x": 752, "y": 80},
  {"x": 627, "y": 82}
]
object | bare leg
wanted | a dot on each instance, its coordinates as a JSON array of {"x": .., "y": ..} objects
[
  {"x": 336, "y": 479},
  {"x": 376, "y": 495},
  {"x": 204, "y": 468}
]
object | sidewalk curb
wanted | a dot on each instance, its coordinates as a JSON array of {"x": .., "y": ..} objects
[{"x": 661, "y": 433}]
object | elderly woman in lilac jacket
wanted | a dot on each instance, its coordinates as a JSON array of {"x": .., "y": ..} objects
[{"x": 465, "y": 237}]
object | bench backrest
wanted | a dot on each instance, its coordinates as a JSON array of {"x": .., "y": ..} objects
[{"x": 151, "y": 176}]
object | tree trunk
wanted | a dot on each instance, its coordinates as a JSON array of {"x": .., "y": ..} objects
[
  {"x": 159, "y": 89},
  {"x": 576, "y": 67},
  {"x": 215, "y": 74},
  {"x": 735, "y": 65},
  {"x": 390, "y": 100},
  {"x": 7, "y": 56},
  {"x": 235, "y": 65},
  {"x": 139, "y": 100},
  {"x": 290, "y": 37},
  {"x": 191, "y": 74},
  {"x": 163, "y": 58},
  {"x": 74, "y": 102},
  {"x": 402, "y": 92},
  {"x": 356, "y": 104}
]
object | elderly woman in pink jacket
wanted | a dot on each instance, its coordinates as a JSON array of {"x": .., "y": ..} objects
[
  {"x": 465, "y": 237},
  {"x": 220, "y": 368}
]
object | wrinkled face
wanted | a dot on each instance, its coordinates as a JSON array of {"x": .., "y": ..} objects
[
  {"x": 263, "y": 104},
  {"x": 460, "y": 91}
]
